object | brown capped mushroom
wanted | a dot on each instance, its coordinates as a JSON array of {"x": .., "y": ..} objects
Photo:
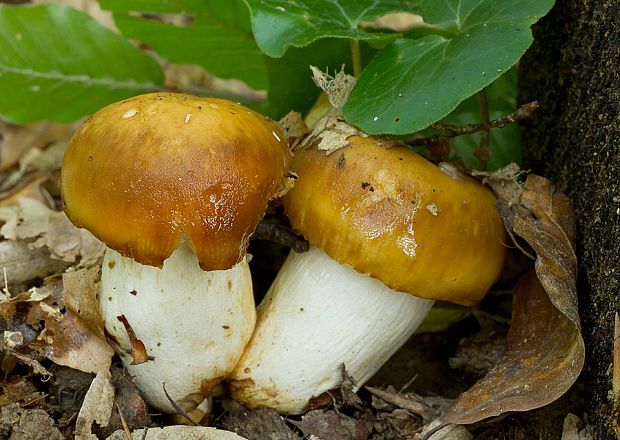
[
  {"x": 175, "y": 185},
  {"x": 390, "y": 233}
]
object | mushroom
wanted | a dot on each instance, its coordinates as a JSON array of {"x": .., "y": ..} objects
[
  {"x": 390, "y": 232},
  {"x": 175, "y": 185}
]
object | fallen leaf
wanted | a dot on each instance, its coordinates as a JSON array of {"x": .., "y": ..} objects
[
  {"x": 97, "y": 406},
  {"x": 73, "y": 345},
  {"x": 43, "y": 227},
  {"x": 16, "y": 140},
  {"x": 180, "y": 432},
  {"x": 333, "y": 425},
  {"x": 331, "y": 134},
  {"x": 19, "y": 423},
  {"x": 545, "y": 351},
  {"x": 259, "y": 424},
  {"x": 130, "y": 406},
  {"x": 450, "y": 432},
  {"x": 37, "y": 368},
  {"x": 80, "y": 293}
]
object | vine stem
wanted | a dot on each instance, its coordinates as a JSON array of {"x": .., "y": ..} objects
[
  {"x": 482, "y": 152},
  {"x": 356, "y": 57}
]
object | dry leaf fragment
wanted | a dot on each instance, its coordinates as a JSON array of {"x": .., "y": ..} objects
[
  {"x": 72, "y": 344},
  {"x": 334, "y": 426},
  {"x": 448, "y": 432},
  {"x": 571, "y": 431},
  {"x": 545, "y": 350},
  {"x": 396, "y": 21},
  {"x": 16, "y": 140},
  {"x": 43, "y": 227},
  {"x": 180, "y": 432},
  {"x": 25, "y": 424},
  {"x": 80, "y": 294},
  {"x": 97, "y": 406},
  {"x": 337, "y": 87},
  {"x": 331, "y": 134}
]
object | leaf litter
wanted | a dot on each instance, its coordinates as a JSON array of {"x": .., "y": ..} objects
[{"x": 54, "y": 322}]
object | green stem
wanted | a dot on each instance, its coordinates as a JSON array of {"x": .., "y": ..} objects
[{"x": 356, "y": 57}]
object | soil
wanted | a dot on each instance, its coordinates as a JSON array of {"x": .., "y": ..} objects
[{"x": 572, "y": 69}]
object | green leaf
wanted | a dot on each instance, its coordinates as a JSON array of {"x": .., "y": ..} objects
[
  {"x": 213, "y": 34},
  {"x": 290, "y": 82},
  {"x": 413, "y": 83},
  {"x": 279, "y": 24},
  {"x": 57, "y": 63}
]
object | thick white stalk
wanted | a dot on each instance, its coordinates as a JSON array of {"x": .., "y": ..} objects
[
  {"x": 194, "y": 324},
  {"x": 318, "y": 315}
]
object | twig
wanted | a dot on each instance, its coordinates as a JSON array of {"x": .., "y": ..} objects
[
  {"x": 146, "y": 429},
  {"x": 400, "y": 401},
  {"x": 449, "y": 131},
  {"x": 482, "y": 152},
  {"x": 177, "y": 408},
  {"x": 123, "y": 422},
  {"x": 280, "y": 234}
]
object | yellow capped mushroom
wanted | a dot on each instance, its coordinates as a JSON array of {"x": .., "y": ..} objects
[{"x": 390, "y": 233}]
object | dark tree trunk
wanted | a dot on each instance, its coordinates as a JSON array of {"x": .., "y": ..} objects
[{"x": 573, "y": 69}]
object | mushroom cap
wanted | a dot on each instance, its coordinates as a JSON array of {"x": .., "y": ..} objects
[
  {"x": 392, "y": 214},
  {"x": 150, "y": 172}
]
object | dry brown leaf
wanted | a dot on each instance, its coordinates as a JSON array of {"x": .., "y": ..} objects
[
  {"x": 72, "y": 344},
  {"x": 545, "y": 351},
  {"x": 42, "y": 227},
  {"x": 23, "y": 264},
  {"x": 334, "y": 426},
  {"x": 66, "y": 340},
  {"x": 16, "y": 140},
  {"x": 437, "y": 431},
  {"x": 178, "y": 432},
  {"x": 80, "y": 296},
  {"x": 97, "y": 406},
  {"x": 331, "y": 134},
  {"x": 37, "y": 368}
]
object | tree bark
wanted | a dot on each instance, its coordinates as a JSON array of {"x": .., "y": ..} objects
[{"x": 573, "y": 69}]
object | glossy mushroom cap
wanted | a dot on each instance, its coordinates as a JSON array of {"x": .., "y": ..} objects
[
  {"x": 392, "y": 214},
  {"x": 150, "y": 172}
]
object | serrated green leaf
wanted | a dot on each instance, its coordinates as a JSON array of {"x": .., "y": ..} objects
[
  {"x": 280, "y": 24},
  {"x": 211, "y": 34},
  {"x": 59, "y": 64},
  {"x": 413, "y": 83}
]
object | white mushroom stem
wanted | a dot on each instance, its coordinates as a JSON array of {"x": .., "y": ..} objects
[
  {"x": 318, "y": 315},
  {"x": 193, "y": 324}
]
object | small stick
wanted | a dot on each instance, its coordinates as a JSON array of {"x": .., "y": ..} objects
[
  {"x": 123, "y": 422},
  {"x": 177, "y": 408},
  {"x": 523, "y": 113},
  {"x": 281, "y": 234}
]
